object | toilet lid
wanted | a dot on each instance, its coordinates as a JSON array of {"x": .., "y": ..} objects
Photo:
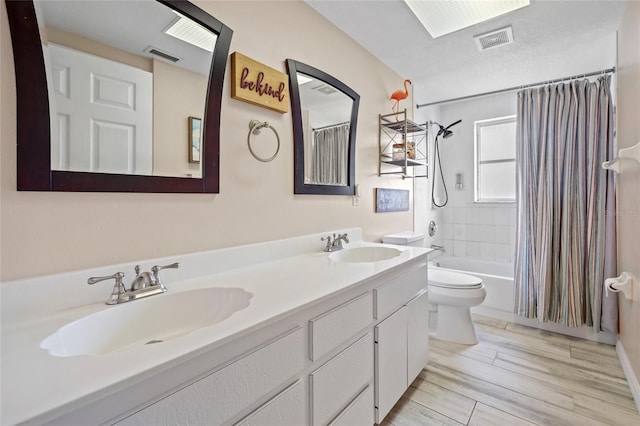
[{"x": 448, "y": 279}]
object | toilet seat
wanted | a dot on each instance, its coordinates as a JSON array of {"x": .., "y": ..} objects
[{"x": 454, "y": 280}]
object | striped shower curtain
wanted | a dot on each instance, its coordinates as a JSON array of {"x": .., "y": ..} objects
[
  {"x": 330, "y": 159},
  {"x": 566, "y": 229}
]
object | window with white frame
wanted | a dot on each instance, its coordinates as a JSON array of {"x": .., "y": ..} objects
[{"x": 495, "y": 155}]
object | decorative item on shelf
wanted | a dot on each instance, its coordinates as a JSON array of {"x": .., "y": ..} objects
[
  {"x": 631, "y": 153},
  {"x": 195, "y": 139},
  {"x": 398, "y": 151},
  {"x": 258, "y": 84},
  {"x": 398, "y": 96},
  {"x": 392, "y": 200},
  {"x": 255, "y": 127},
  {"x": 402, "y": 145}
]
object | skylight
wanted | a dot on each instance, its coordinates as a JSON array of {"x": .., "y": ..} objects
[
  {"x": 446, "y": 16},
  {"x": 190, "y": 32},
  {"x": 303, "y": 79}
]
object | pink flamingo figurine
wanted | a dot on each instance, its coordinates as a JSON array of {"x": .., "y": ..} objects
[{"x": 399, "y": 95}]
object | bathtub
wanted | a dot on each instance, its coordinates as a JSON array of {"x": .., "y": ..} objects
[{"x": 497, "y": 278}]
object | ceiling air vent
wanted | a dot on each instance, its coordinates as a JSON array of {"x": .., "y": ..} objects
[
  {"x": 154, "y": 51},
  {"x": 324, "y": 88},
  {"x": 494, "y": 38}
]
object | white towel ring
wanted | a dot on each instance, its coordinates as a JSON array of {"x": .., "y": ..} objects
[{"x": 254, "y": 128}]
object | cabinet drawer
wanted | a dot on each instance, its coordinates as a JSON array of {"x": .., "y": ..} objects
[
  {"x": 336, "y": 383},
  {"x": 284, "y": 409},
  {"x": 359, "y": 412},
  {"x": 219, "y": 396},
  {"x": 396, "y": 293},
  {"x": 336, "y": 326}
]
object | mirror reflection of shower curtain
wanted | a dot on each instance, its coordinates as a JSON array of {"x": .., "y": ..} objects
[{"x": 330, "y": 149}]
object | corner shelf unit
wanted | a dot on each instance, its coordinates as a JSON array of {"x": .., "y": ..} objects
[{"x": 403, "y": 144}]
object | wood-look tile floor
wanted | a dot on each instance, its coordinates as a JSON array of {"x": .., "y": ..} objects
[{"x": 518, "y": 375}]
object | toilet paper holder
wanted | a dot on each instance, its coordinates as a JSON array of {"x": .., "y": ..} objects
[{"x": 624, "y": 284}]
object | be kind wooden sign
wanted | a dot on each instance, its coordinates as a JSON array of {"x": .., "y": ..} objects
[{"x": 258, "y": 84}]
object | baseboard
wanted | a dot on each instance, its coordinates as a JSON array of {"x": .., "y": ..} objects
[
  {"x": 632, "y": 379},
  {"x": 580, "y": 332}
]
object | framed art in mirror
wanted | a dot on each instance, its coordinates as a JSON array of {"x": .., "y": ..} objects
[
  {"x": 195, "y": 137},
  {"x": 113, "y": 140},
  {"x": 325, "y": 115}
]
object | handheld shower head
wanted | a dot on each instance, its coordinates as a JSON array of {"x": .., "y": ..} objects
[{"x": 444, "y": 131}]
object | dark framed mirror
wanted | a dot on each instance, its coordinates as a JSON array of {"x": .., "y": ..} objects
[
  {"x": 110, "y": 151},
  {"x": 325, "y": 115}
]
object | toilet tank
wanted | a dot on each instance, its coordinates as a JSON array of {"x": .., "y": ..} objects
[{"x": 406, "y": 238}]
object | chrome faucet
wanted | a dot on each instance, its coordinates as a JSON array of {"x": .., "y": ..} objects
[
  {"x": 336, "y": 243},
  {"x": 142, "y": 280},
  {"x": 144, "y": 284},
  {"x": 437, "y": 247}
]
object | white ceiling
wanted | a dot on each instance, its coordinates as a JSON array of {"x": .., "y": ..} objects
[
  {"x": 132, "y": 26},
  {"x": 552, "y": 39}
]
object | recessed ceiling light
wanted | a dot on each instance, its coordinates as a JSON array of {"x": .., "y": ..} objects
[
  {"x": 444, "y": 17},
  {"x": 188, "y": 31}
]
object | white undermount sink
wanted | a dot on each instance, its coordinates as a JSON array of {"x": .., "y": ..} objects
[
  {"x": 365, "y": 254},
  {"x": 146, "y": 321}
]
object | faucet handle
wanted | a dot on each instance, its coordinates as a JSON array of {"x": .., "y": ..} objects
[
  {"x": 118, "y": 276},
  {"x": 118, "y": 288},
  {"x": 329, "y": 242},
  {"x": 157, "y": 268},
  {"x": 156, "y": 273}
]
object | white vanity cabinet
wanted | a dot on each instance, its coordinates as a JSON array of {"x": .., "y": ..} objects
[
  {"x": 401, "y": 339},
  {"x": 323, "y": 342},
  {"x": 338, "y": 365},
  {"x": 219, "y": 396}
]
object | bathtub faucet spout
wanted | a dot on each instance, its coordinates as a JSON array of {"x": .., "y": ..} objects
[{"x": 437, "y": 247}]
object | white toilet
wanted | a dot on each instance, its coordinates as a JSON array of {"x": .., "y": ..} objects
[{"x": 451, "y": 296}]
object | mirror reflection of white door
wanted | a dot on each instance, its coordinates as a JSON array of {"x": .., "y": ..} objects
[{"x": 104, "y": 114}]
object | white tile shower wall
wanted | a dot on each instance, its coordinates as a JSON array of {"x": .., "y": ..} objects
[{"x": 480, "y": 231}]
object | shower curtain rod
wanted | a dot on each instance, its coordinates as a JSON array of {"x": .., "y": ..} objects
[
  {"x": 330, "y": 126},
  {"x": 526, "y": 86}
]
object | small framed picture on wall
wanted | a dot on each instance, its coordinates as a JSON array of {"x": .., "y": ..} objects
[{"x": 195, "y": 139}]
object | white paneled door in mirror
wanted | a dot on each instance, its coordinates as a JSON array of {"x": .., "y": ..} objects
[
  {"x": 123, "y": 78},
  {"x": 102, "y": 114}
]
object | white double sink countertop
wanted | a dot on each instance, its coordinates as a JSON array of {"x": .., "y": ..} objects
[{"x": 285, "y": 276}]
